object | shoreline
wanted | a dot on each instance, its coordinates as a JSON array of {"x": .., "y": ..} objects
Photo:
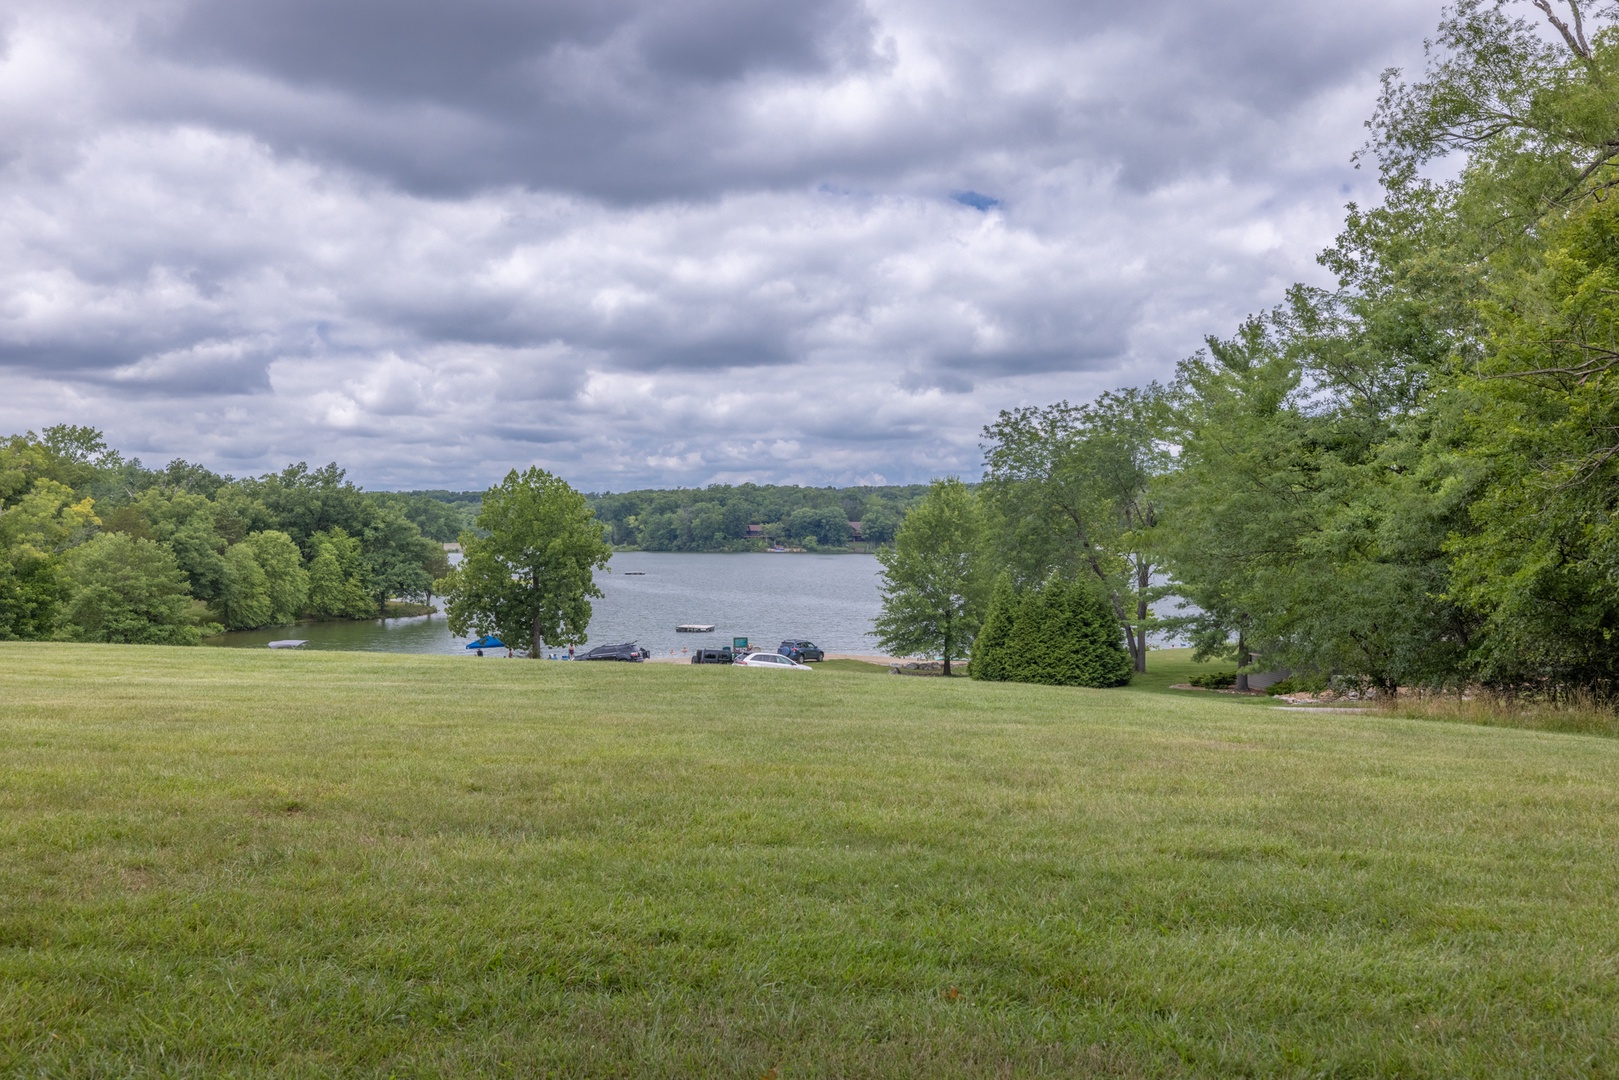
[{"x": 865, "y": 658}]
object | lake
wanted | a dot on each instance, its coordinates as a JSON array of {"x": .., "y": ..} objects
[{"x": 829, "y": 599}]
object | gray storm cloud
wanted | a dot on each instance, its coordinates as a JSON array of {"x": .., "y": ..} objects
[{"x": 648, "y": 243}]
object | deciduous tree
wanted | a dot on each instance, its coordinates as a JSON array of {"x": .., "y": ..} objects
[
  {"x": 128, "y": 591},
  {"x": 531, "y": 576},
  {"x": 1069, "y": 490},
  {"x": 934, "y": 576}
]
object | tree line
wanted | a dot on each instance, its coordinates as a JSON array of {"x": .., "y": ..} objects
[
  {"x": 1410, "y": 478},
  {"x": 94, "y": 546},
  {"x": 718, "y": 517}
]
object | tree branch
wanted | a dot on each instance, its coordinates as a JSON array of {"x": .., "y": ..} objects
[{"x": 1575, "y": 38}]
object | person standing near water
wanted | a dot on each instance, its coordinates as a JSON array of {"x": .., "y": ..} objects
[{"x": 570, "y": 652}]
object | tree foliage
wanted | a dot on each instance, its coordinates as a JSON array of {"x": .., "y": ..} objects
[
  {"x": 1413, "y": 479},
  {"x": 1061, "y": 633},
  {"x": 246, "y": 549},
  {"x": 530, "y": 576},
  {"x": 934, "y": 580},
  {"x": 718, "y": 517},
  {"x": 128, "y": 591},
  {"x": 1069, "y": 490}
]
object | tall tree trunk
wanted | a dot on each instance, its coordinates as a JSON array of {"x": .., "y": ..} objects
[
  {"x": 535, "y": 652},
  {"x": 1138, "y": 649},
  {"x": 1244, "y": 658},
  {"x": 947, "y": 644},
  {"x": 1143, "y": 580}
]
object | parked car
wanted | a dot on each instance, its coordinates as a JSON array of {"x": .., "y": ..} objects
[
  {"x": 771, "y": 660},
  {"x": 802, "y": 651},
  {"x": 721, "y": 655},
  {"x": 626, "y": 651}
]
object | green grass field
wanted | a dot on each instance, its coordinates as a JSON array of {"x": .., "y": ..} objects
[{"x": 217, "y": 862}]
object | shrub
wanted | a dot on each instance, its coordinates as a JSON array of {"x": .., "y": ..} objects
[
  {"x": 1061, "y": 634},
  {"x": 1299, "y": 684},
  {"x": 1214, "y": 680}
]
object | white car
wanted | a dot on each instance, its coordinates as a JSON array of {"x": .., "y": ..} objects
[{"x": 771, "y": 660}]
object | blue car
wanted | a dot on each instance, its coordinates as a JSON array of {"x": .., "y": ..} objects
[{"x": 801, "y": 651}]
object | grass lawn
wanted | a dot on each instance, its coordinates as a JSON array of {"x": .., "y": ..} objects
[{"x": 219, "y": 862}]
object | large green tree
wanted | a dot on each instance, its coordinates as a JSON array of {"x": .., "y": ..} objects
[
  {"x": 934, "y": 576},
  {"x": 1068, "y": 490},
  {"x": 337, "y": 584},
  {"x": 128, "y": 591},
  {"x": 1506, "y": 252},
  {"x": 1299, "y": 520},
  {"x": 264, "y": 582},
  {"x": 530, "y": 576}
]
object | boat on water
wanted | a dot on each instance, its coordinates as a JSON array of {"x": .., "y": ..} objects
[
  {"x": 635, "y": 573},
  {"x": 695, "y": 628},
  {"x": 289, "y": 643}
]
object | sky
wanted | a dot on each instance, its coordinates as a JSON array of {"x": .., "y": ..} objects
[{"x": 650, "y": 243}]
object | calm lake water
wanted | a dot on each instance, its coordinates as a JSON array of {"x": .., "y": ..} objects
[{"x": 829, "y": 599}]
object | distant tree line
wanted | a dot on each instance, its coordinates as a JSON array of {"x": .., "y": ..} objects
[
  {"x": 1410, "y": 479},
  {"x": 440, "y": 515},
  {"x": 718, "y": 517},
  {"x": 97, "y": 547}
]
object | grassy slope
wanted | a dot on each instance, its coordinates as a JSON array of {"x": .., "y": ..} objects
[{"x": 219, "y": 861}]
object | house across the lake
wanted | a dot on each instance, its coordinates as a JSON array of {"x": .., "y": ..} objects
[{"x": 757, "y": 532}]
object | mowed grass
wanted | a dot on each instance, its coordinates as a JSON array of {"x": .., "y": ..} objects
[{"x": 218, "y": 862}]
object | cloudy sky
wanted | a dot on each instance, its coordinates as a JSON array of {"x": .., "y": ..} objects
[{"x": 649, "y": 242}]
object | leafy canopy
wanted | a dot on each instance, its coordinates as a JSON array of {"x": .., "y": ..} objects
[
  {"x": 934, "y": 580},
  {"x": 531, "y": 575}
]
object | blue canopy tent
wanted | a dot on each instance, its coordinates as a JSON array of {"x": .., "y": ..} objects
[{"x": 488, "y": 641}]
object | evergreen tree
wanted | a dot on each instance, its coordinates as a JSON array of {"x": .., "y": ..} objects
[
  {"x": 989, "y": 656},
  {"x": 1069, "y": 490},
  {"x": 1063, "y": 633}
]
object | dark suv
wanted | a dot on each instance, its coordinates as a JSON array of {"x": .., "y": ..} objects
[{"x": 802, "y": 651}]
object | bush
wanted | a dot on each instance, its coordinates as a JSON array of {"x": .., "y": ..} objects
[
  {"x": 1299, "y": 684},
  {"x": 1061, "y": 634},
  {"x": 1215, "y": 680}
]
